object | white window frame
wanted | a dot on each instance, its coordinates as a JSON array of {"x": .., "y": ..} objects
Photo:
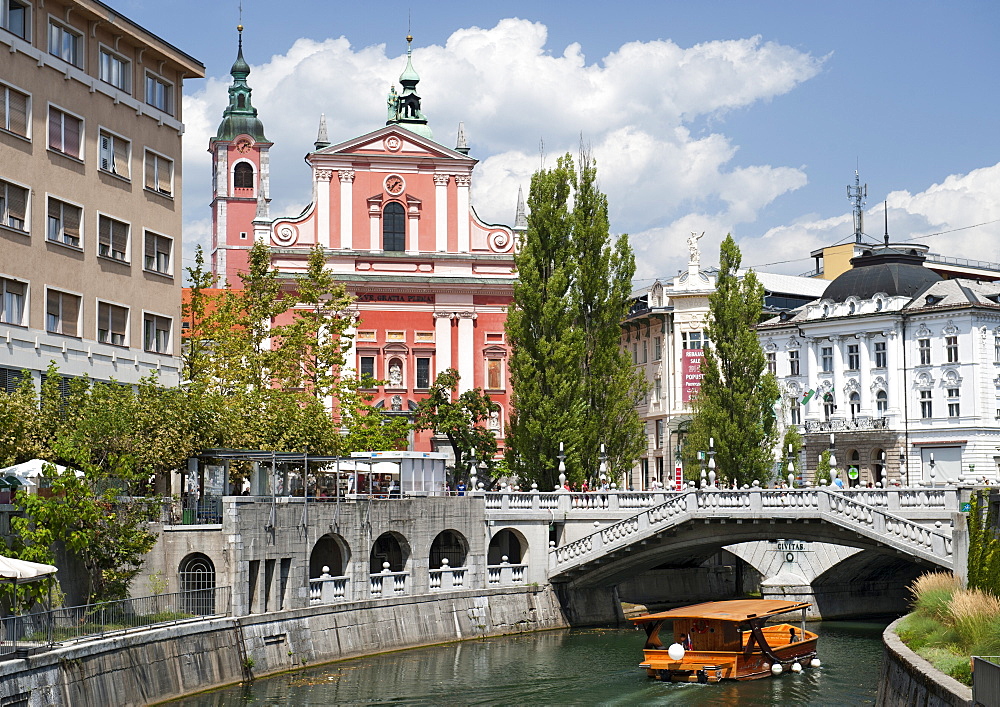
[
  {"x": 882, "y": 402},
  {"x": 418, "y": 357},
  {"x": 772, "y": 362},
  {"x": 108, "y": 156},
  {"x": 853, "y": 357},
  {"x": 168, "y": 92},
  {"x": 5, "y": 206},
  {"x": 79, "y": 311},
  {"x": 156, "y": 173},
  {"x": 128, "y": 321},
  {"x": 926, "y": 405},
  {"x": 486, "y": 371},
  {"x": 62, "y": 221},
  {"x": 169, "y": 269},
  {"x": 107, "y": 252},
  {"x": 170, "y": 332},
  {"x": 881, "y": 354},
  {"x": 5, "y": 19},
  {"x": 794, "y": 363},
  {"x": 954, "y": 408},
  {"x": 62, "y": 150},
  {"x": 826, "y": 359},
  {"x": 25, "y": 299},
  {"x": 5, "y": 90},
  {"x": 924, "y": 352},
  {"x": 951, "y": 349},
  {"x": 253, "y": 176},
  {"x": 63, "y": 30},
  {"x": 105, "y": 51}
]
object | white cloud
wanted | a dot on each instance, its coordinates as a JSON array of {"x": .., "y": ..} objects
[{"x": 641, "y": 109}]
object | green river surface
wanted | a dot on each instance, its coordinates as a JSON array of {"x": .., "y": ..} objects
[{"x": 566, "y": 667}]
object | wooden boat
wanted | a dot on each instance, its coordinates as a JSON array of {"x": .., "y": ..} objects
[{"x": 725, "y": 640}]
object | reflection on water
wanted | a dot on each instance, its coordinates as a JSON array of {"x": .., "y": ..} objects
[{"x": 579, "y": 667}]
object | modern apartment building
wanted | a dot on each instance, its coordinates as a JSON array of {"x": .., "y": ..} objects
[{"x": 90, "y": 193}]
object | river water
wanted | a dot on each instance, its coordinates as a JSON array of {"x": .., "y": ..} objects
[{"x": 568, "y": 667}]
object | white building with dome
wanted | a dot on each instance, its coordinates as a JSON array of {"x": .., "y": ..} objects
[{"x": 901, "y": 365}]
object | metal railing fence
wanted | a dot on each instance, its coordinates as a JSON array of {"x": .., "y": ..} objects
[
  {"x": 986, "y": 680},
  {"x": 21, "y": 635}
]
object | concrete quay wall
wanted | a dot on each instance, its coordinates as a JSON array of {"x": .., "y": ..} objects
[
  {"x": 907, "y": 680},
  {"x": 164, "y": 663}
]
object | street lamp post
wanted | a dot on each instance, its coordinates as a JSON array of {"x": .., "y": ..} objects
[
  {"x": 903, "y": 467},
  {"x": 791, "y": 469},
  {"x": 932, "y": 465},
  {"x": 833, "y": 463},
  {"x": 711, "y": 462},
  {"x": 603, "y": 469}
]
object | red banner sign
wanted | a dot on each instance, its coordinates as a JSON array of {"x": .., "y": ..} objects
[
  {"x": 678, "y": 477},
  {"x": 691, "y": 373}
]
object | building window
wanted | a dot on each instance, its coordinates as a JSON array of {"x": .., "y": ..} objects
[
  {"x": 65, "y": 131},
  {"x": 159, "y": 94},
  {"x": 64, "y": 223},
  {"x": 953, "y": 409},
  {"x": 657, "y": 348},
  {"x": 12, "y": 302},
  {"x": 14, "y": 107},
  {"x": 881, "y": 402},
  {"x": 243, "y": 176},
  {"x": 855, "y": 401},
  {"x": 112, "y": 238},
  {"x": 13, "y": 206},
  {"x": 159, "y": 173},
  {"x": 427, "y": 337},
  {"x": 996, "y": 348},
  {"x": 772, "y": 363},
  {"x": 692, "y": 340},
  {"x": 366, "y": 335},
  {"x": 954, "y": 392},
  {"x": 853, "y": 357},
  {"x": 880, "y": 356},
  {"x": 156, "y": 334},
  {"x": 393, "y": 227},
  {"x": 156, "y": 253},
  {"x": 926, "y": 411},
  {"x": 793, "y": 363},
  {"x": 924, "y": 347},
  {"x": 635, "y": 353},
  {"x": 645, "y": 351},
  {"x": 62, "y": 313},
  {"x": 828, "y": 407},
  {"x": 494, "y": 374},
  {"x": 66, "y": 44},
  {"x": 658, "y": 440},
  {"x": 951, "y": 348},
  {"x": 423, "y": 373},
  {"x": 112, "y": 321},
  {"x": 15, "y": 17},
  {"x": 367, "y": 368},
  {"x": 795, "y": 413},
  {"x": 115, "y": 70},
  {"x": 826, "y": 354},
  {"x": 115, "y": 152}
]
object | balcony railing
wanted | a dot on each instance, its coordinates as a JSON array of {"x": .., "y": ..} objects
[{"x": 861, "y": 424}]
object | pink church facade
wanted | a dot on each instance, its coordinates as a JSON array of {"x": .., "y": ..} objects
[{"x": 392, "y": 211}]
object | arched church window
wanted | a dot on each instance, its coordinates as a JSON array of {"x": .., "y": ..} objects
[
  {"x": 393, "y": 227},
  {"x": 243, "y": 176}
]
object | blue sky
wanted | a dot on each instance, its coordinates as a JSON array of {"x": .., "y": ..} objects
[{"x": 747, "y": 117}]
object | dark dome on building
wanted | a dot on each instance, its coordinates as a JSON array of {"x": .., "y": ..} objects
[{"x": 892, "y": 270}]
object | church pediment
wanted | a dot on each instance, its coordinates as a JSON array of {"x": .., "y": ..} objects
[{"x": 393, "y": 141}]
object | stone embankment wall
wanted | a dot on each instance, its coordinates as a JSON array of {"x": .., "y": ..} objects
[
  {"x": 907, "y": 680},
  {"x": 164, "y": 663}
]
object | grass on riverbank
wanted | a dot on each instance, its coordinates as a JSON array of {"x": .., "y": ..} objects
[{"x": 950, "y": 624}]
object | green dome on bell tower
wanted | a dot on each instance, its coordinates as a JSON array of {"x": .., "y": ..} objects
[{"x": 240, "y": 117}]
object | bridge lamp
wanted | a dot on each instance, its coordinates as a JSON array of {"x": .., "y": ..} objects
[
  {"x": 902, "y": 466},
  {"x": 604, "y": 465},
  {"x": 932, "y": 465},
  {"x": 561, "y": 456},
  {"x": 833, "y": 462}
]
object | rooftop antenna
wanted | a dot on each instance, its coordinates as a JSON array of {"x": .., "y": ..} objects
[
  {"x": 858, "y": 193},
  {"x": 885, "y": 204}
]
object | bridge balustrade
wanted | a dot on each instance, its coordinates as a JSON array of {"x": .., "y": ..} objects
[
  {"x": 385, "y": 584},
  {"x": 326, "y": 589},
  {"x": 447, "y": 579},
  {"x": 506, "y": 574}
]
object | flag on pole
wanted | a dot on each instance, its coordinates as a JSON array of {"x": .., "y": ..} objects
[{"x": 808, "y": 396}]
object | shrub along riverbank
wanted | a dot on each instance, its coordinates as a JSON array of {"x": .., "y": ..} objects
[{"x": 950, "y": 624}]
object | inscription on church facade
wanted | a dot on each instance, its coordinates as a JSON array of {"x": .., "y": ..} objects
[{"x": 395, "y": 297}]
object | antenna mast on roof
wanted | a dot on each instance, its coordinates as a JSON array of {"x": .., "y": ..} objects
[
  {"x": 885, "y": 205},
  {"x": 858, "y": 193}
]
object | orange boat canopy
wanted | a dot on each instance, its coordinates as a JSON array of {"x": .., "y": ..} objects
[{"x": 736, "y": 610}]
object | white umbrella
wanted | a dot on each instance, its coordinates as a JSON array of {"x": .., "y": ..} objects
[{"x": 23, "y": 571}]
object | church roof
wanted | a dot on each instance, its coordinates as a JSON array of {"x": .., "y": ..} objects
[{"x": 240, "y": 117}]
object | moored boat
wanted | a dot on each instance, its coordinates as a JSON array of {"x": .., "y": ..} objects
[{"x": 726, "y": 640}]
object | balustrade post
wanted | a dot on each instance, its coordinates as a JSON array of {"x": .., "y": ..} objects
[
  {"x": 756, "y": 501},
  {"x": 892, "y": 500},
  {"x": 613, "y": 504},
  {"x": 823, "y": 501}
]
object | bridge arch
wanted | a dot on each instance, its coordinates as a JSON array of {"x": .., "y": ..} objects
[
  {"x": 449, "y": 545},
  {"x": 389, "y": 547},
  {"x": 331, "y": 550},
  {"x": 509, "y": 543}
]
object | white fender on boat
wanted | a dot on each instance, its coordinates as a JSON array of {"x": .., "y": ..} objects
[
  {"x": 814, "y": 663},
  {"x": 796, "y": 667},
  {"x": 676, "y": 651},
  {"x": 776, "y": 669}
]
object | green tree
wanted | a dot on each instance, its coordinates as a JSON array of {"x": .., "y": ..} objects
[
  {"x": 823, "y": 468},
  {"x": 197, "y": 351},
  {"x": 547, "y": 347},
  {"x": 19, "y": 424},
  {"x": 462, "y": 418},
  {"x": 570, "y": 380},
  {"x": 983, "y": 566},
  {"x": 737, "y": 393}
]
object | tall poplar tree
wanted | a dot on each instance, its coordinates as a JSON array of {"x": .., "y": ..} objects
[
  {"x": 735, "y": 404},
  {"x": 571, "y": 382}
]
